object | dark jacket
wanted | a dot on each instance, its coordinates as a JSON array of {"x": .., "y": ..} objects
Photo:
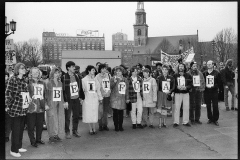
[
  {"x": 188, "y": 83},
  {"x": 132, "y": 93},
  {"x": 66, "y": 87},
  {"x": 227, "y": 76},
  {"x": 217, "y": 80}
]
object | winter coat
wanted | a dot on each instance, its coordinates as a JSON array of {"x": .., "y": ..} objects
[
  {"x": 150, "y": 99},
  {"x": 117, "y": 100},
  {"x": 188, "y": 83}
]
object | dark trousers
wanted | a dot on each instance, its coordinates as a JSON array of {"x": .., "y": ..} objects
[
  {"x": 7, "y": 125},
  {"x": 118, "y": 118},
  {"x": 17, "y": 126},
  {"x": 195, "y": 105},
  {"x": 73, "y": 107},
  {"x": 221, "y": 93},
  {"x": 35, "y": 119},
  {"x": 103, "y": 119},
  {"x": 211, "y": 100}
]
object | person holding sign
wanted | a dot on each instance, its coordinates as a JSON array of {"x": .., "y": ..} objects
[
  {"x": 118, "y": 97},
  {"x": 213, "y": 79},
  {"x": 196, "y": 93},
  {"x": 35, "y": 115},
  {"x": 73, "y": 96},
  {"x": 93, "y": 98},
  {"x": 149, "y": 86},
  {"x": 17, "y": 100},
  {"x": 183, "y": 84},
  {"x": 166, "y": 86},
  {"x": 54, "y": 101},
  {"x": 135, "y": 97},
  {"x": 104, "y": 80}
]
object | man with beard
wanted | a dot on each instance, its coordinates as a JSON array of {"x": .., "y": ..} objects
[
  {"x": 212, "y": 79},
  {"x": 183, "y": 84},
  {"x": 196, "y": 93}
]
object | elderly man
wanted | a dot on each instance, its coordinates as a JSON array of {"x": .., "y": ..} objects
[{"x": 212, "y": 79}]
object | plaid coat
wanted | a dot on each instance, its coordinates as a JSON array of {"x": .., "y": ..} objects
[{"x": 132, "y": 93}]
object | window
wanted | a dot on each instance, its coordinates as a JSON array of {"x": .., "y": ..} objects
[{"x": 139, "y": 32}]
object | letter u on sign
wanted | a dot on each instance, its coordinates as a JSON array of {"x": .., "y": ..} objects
[
  {"x": 57, "y": 94},
  {"x": 136, "y": 86}
]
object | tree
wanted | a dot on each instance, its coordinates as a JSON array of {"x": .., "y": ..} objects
[{"x": 224, "y": 43}]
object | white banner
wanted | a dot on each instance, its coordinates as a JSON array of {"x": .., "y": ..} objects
[{"x": 10, "y": 54}]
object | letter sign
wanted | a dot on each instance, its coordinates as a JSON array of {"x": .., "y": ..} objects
[
  {"x": 164, "y": 112},
  {"x": 106, "y": 84},
  {"x": 74, "y": 89},
  {"x": 209, "y": 81},
  {"x": 26, "y": 99},
  {"x": 181, "y": 81},
  {"x": 91, "y": 86},
  {"x": 196, "y": 80},
  {"x": 37, "y": 91},
  {"x": 136, "y": 86},
  {"x": 165, "y": 86},
  {"x": 57, "y": 94},
  {"x": 146, "y": 87},
  {"x": 121, "y": 88}
]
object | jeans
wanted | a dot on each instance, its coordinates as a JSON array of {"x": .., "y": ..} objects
[
  {"x": 231, "y": 89},
  {"x": 181, "y": 98},
  {"x": 211, "y": 99},
  {"x": 74, "y": 107},
  {"x": 7, "y": 125},
  {"x": 145, "y": 115},
  {"x": 35, "y": 119},
  {"x": 195, "y": 105},
  {"x": 17, "y": 126},
  {"x": 103, "y": 117},
  {"x": 118, "y": 118},
  {"x": 138, "y": 105}
]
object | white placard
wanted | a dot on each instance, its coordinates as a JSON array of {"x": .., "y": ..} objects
[
  {"x": 136, "y": 86},
  {"x": 164, "y": 112},
  {"x": 73, "y": 89},
  {"x": 196, "y": 80},
  {"x": 165, "y": 86},
  {"x": 26, "y": 99},
  {"x": 181, "y": 81},
  {"x": 91, "y": 87},
  {"x": 122, "y": 87},
  {"x": 57, "y": 93},
  {"x": 37, "y": 91},
  {"x": 146, "y": 87},
  {"x": 106, "y": 84},
  {"x": 159, "y": 110},
  {"x": 209, "y": 81}
]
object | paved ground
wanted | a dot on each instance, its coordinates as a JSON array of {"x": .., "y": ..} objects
[{"x": 204, "y": 141}]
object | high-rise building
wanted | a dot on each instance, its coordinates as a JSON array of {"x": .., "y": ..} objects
[{"x": 53, "y": 44}]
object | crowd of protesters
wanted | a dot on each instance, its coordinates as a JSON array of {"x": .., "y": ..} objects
[{"x": 39, "y": 100}]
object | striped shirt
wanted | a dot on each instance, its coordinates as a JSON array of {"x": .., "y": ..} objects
[{"x": 13, "y": 98}]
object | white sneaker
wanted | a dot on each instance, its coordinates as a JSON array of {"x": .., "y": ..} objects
[
  {"x": 14, "y": 154},
  {"x": 22, "y": 150}
]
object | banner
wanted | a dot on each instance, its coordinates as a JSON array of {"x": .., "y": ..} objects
[
  {"x": 10, "y": 54},
  {"x": 173, "y": 59}
]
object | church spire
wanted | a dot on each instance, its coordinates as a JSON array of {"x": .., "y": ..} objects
[{"x": 140, "y": 6}]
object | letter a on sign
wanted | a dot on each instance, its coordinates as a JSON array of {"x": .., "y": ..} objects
[
  {"x": 209, "y": 81},
  {"x": 136, "y": 86},
  {"x": 57, "y": 94},
  {"x": 121, "y": 88},
  {"x": 165, "y": 86},
  {"x": 38, "y": 91},
  {"x": 196, "y": 80},
  {"x": 74, "y": 89},
  {"x": 181, "y": 81},
  {"x": 91, "y": 86},
  {"x": 106, "y": 84},
  {"x": 146, "y": 87},
  {"x": 26, "y": 99}
]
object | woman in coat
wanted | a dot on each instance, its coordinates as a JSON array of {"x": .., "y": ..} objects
[
  {"x": 55, "y": 113},
  {"x": 149, "y": 97},
  {"x": 118, "y": 97},
  {"x": 93, "y": 97}
]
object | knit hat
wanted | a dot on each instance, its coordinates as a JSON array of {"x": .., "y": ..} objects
[{"x": 16, "y": 68}]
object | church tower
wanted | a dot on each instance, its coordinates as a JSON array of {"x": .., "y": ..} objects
[{"x": 140, "y": 27}]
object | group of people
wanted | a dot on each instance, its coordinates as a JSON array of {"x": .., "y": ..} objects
[{"x": 146, "y": 93}]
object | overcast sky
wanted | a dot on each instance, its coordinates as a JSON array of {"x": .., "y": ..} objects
[{"x": 163, "y": 18}]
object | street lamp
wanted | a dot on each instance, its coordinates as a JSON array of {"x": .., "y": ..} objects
[{"x": 12, "y": 27}]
